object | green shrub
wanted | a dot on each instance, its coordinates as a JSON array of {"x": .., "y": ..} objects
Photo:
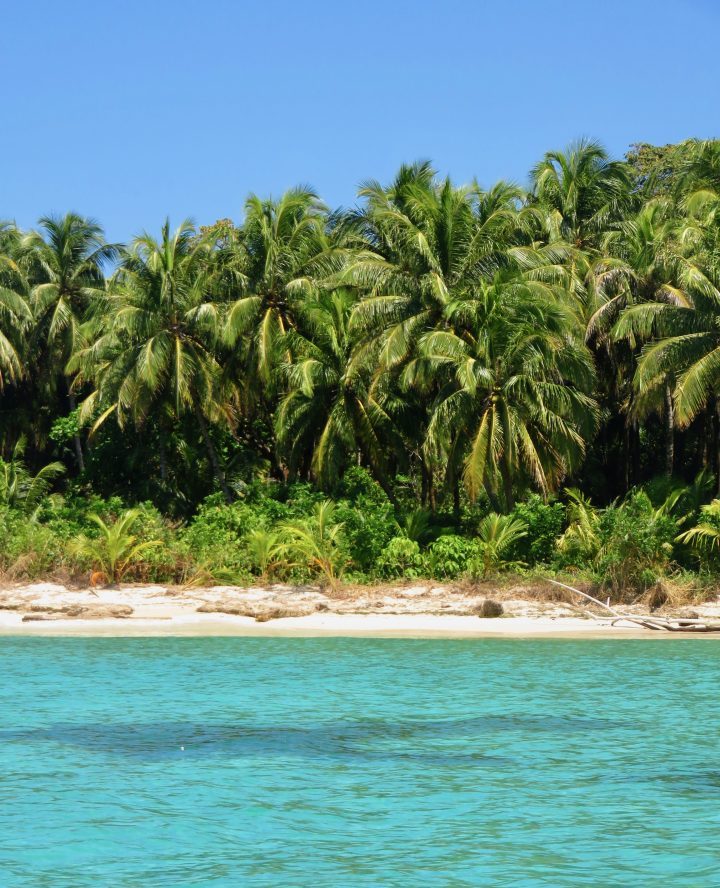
[
  {"x": 28, "y": 550},
  {"x": 357, "y": 482},
  {"x": 401, "y": 557},
  {"x": 636, "y": 546},
  {"x": 450, "y": 555},
  {"x": 293, "y": 501},
  {"x": 368, "y": 519},
  {"x": 71, "y": 517},
  {"x": 543, "y": 525},
  {"x": 216, "y": 539}
]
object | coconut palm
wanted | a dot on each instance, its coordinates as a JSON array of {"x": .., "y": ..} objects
[
  {"x": 581, "y": 192},
  {"x": 334, "y": 406},
  {"x": 706, "y": 533},
  {"x": 497, "y": 535},
  {"x": 266, "y": 552},
  {"x": 701, "y": 170},
  {"x": 427, "y": 243},
  {"x": 280, "y": 251},
  {"x": 65, "y": 262},
  {"x": 514, "y": 403},
  {"x": 669, "y": 298},
  {"x": 155, "y": 341},
  {"x": 644, "y": 267},
  {"x": 580, "y": 542},
  {"x": 15, "y": 314},
  {"x": 643, "y": 262}
]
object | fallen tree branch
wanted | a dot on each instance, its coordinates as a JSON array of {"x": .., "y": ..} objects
[
  {"x": 669, "y": 624},
  {"x": 589, "y": 597}
]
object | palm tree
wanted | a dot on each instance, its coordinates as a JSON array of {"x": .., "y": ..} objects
[
  {"x": 701, "y": 170},
  {"x": 705, "y": 535},
  {"x": 15, "y": 314},
  {"x": 581, "y": 192},
  {"x": 334, "y": 407},
  {"x": 514, "y": 401},
  {"x": 266, "y": 552},
  {"x": 279, "y": 252},
  {"x": 661, "y": 288},
  {"x": 641, "y": 264},
  {"x": 155, "y": 342},
  {"x": 23, "y": 491},
  {"x": 580, "y": 543},
  {"x": 427, "y": 242},
  {"x": 65, "y": 263},
  {"x": 497, "y": 534},
  {"x": 116, "y": 547}
]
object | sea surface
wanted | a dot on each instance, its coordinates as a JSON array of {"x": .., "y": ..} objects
[{"x": 354, "y": 762}]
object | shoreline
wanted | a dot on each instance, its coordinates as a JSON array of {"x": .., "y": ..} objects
[
  {"x": 420, "y": 610},
  {"x": 349, "y": 625}
]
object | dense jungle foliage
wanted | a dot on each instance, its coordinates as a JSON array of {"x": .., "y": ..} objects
[{"x": 443, "y": 380}]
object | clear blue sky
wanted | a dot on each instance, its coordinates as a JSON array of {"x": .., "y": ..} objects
[{"x": 128, "y": 111}]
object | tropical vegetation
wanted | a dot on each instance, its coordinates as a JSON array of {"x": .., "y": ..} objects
[{"x": 446, "y": 379}]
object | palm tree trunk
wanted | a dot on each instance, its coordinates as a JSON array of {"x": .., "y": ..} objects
[
  {"x": 669, "y": 432},
  {"x": 212, "y": 453},
  {"x": 79, "y": 455},
  {"x": 507, "y": 486},
  {"x": 716, "y": 449},
  {"x": 432, "y": 502},
  {"x": 496, "y": 503},
  {"x": 389, "y": 493},
  {"x": 626, "y": 456},
  {"x": 163, "y": 460},
  {"x": 635, "y": 452},
  {"x": 378, "y": 472},
  {"x": 453, "y": 480},
  {"x": 381, "y": 479},
  {"x": 709, "y": 441}
]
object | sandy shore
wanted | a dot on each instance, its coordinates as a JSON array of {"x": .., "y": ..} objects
[
  {"x": 337, "y": 625},
  {"x": 410, "y": 611}
]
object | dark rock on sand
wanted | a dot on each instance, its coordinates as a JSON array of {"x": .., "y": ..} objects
[{"x": 490, "y": 608}]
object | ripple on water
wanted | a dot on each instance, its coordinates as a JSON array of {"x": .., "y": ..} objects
[{"x": 327, "y": 762}]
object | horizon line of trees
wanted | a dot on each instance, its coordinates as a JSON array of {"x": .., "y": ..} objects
[{"x": 457, "y": 341}]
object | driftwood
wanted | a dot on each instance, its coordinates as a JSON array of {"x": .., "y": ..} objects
[{"x": 669, "y": 624}]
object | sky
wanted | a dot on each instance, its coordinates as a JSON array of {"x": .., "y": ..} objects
[{"x": 132, "y": 111}]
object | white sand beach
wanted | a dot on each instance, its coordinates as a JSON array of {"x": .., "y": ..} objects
[{"x": 419, "y": 611}]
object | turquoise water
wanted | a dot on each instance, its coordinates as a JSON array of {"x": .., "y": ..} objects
[{"x": 344, "y": 762}]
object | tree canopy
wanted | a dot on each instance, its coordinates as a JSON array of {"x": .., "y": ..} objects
[{"x": 458, "y": 341}]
